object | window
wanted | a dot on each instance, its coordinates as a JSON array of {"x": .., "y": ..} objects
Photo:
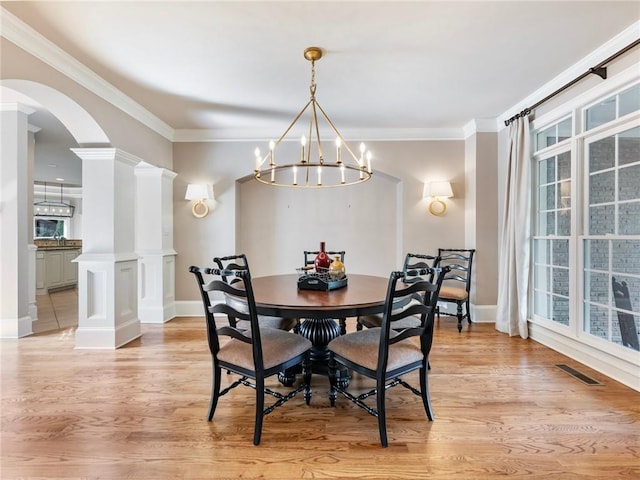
[
  {"x": 49, "y": 227},
  {"x": 551, "y": 240},
  {"x": 627, "y": 101},
  {"x": 586, "y": 228},
  {"x": 612, "y": 240}
]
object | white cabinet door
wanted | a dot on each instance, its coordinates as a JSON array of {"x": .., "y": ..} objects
[
  {"x": 54, "y": 268},
  {"x": 70, "y": 274}
]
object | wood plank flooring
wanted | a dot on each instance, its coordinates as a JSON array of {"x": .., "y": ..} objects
[{"x": 502, "y": 409}]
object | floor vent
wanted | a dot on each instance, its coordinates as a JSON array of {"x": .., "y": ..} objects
[{"x": 580, "y": 376}]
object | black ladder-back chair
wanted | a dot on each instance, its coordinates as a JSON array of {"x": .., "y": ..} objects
[
  {"x": 240, "y": 262},
  {"x": 457, "y": 283},
  {"x": 254, "y": 354},
  {"x": 385, "y": 354},
  {"x": 628, "y": 330},
  {"x": 309, "y": 258},
  {"x": 413, "y": 262}
]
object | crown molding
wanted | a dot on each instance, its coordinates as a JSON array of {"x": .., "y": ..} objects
[
  {"x": 480, "y": 125},
  {"x": 624, "y": 38},
  {"x": 25, "y": 37}
]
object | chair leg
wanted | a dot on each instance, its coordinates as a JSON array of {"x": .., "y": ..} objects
[
  {"x": 343, "y": 326},
  {"x": 382, "y": 416},
  {"x": 459, "y": 315},
  {"x": 257, "y": 432},
  {"x": 333, "y": 393},
  {"x": 358, "y": 326},
  {"x": 215, "y": 392},
  {"x": 306, "y": 375},
  {"x": 468, "y": 312},
  {"x": 424, "y": 390}
]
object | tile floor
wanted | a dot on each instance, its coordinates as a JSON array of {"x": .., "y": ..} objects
[{"x": 57, "y": 310}]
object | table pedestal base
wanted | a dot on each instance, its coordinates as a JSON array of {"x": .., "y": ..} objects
[{"x": 320, "y": 332}]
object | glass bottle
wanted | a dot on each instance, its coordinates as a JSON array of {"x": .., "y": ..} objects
[
  {"x": 336, "y": 269},
  {"x": 322, "y": 260}
]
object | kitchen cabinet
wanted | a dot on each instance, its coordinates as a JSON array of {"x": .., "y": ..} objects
[{"x": 55, "y": 269}]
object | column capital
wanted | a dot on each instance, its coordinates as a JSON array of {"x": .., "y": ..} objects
[
  {"x": 145, "y": 169},
  {"x": 107, "y": 153}
]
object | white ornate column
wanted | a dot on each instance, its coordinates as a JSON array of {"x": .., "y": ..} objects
[
  {"x": 15, "y": 320},
  {"x": 108, "y": 265},
  {"x": 154, "y": 244}
]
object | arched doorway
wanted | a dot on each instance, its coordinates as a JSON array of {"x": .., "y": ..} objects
[{"x": 24, "y": 101}]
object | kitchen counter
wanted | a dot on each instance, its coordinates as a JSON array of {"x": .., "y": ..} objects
[{"x": 53, "y": 244}]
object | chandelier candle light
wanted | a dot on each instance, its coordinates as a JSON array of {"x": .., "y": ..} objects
[{"x": 311, "y": 170}]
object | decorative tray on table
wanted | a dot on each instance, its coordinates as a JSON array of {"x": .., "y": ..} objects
[{"x": 309, "y": 279}]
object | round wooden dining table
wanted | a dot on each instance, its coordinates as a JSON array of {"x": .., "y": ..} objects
[{"x": 279, "y": 296}]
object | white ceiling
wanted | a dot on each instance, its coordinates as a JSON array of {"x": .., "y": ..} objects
[{"x": 391, "y": 69}]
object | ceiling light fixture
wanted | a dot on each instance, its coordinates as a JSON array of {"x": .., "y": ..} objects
[
  {"x": 52, "y": 209},
  {"x": 311, "y": 169}
]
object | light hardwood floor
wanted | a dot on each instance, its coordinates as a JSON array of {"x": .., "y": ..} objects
[{"x": 502, "y": 409}]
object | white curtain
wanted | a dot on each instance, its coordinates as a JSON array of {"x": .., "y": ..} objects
[{"x": 513, "y": 283}]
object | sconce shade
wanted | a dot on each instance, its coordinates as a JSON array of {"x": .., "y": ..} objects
[
  {"x": 438, "y": 189},
  {"x": 199, "y": 191}
]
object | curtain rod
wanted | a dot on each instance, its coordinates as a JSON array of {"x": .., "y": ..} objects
[{"x": 600, "y": 70}]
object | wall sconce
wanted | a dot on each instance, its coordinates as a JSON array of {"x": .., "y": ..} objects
[
  {"x": 436, "y": 191},
  {"x": 200, "y": 192}
]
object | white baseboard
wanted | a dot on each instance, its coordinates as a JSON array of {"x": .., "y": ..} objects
[
  {"x": 479, "y": 313},
  {"x": 189, "y": 308},
  {"x": 619, "y": 369}
]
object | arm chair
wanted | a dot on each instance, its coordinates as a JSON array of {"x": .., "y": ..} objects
[
  {"x": 628, "y": 330},
  {"x": 457, "y": 283},
  {"x": 413, "y": 262},
  {"x": 385, "y": 354},
  {"x": 254, "y": 354},
  {"x": 240, "y": 262},
  {"x": 309, "y": 258}
]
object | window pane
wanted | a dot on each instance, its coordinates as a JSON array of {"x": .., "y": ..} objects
[
  {"x": 601, "y": 113},
  {"x": 542, "y": 278},
  {"x": 564, "y": 166},
  {"x": 629, "y": 218},
  {"x": 560, "y": 252},
  {"x": 546, "y": 200},
  {"x": 596, "y": 254},
  {"x": 547, "y": 171},
  {"x": 541, "y": 304},
  {"x": 564, "y": 129},
  {"x": 597, "y": 287},
  {"x": 596, "y": 320},
  {"x": 542, "y": 251},
  {"x": 602, "y": 154},
  {"x": 547, "y": 223},
  {"x": 601, "y": 219},
  {"x": 564, "y": 223},
  {"x": 633, "y": 284},
  {"x": 564, "y": 195},
  {"x": 626, "y": 257},
  {"x": 561, "y": 281},
  {"x": 629, "y": 147},
  {"x": 602, "y": 187},
  {"x": 629, "y": 100},
  {"x": 629, "y": 183},
  {"x": 561, "y": 310},
  {"x": 546, "y": 138}
]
